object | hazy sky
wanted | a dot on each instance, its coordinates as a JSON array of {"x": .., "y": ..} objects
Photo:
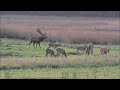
[{"x": 65, "y": 13}]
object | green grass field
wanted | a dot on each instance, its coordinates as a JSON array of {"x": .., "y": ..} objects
[{"x": 31, "y": 63}]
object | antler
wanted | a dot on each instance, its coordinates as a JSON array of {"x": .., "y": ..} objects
[{"x": 38, "y": 30}]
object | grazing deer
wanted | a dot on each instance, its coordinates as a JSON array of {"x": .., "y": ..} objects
[
  {"x": 38, "y": 40},
  {"x": 54, "y": 45},
  {"x": 89, "y": 48},
  {"x": 62, "y": 51},
  {"x": 104, "y": 51},
  {"x": 50, "y": 51},
  {"x": 81, "y": 48}
]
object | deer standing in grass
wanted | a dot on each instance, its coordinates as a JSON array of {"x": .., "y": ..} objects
[
  {"x": 62, "y": 51},
  {"x": 50, "y": 51},
  {"x": 81, "y": 48},
  {"x": 89, "y": 49},
  {"x": 104, "y": 51},
  {"x": 54, "y": 45},
  {"x": 38, "y": 40}
]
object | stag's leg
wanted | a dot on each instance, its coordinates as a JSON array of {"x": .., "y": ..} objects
[
  {"x": 39, "y": 45},
  {"x": 30, "y": 43},
  {"x": 34, "y": 45}
]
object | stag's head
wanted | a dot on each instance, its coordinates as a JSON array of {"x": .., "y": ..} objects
[{"x": 42, "y": 35}]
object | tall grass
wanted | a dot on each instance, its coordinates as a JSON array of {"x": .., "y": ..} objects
[
  {"x": 74, "y": 62},
  {"x": 66, "y": 36},
  {"x": 32, "y": 62},
  {"x": 4, "y": 33},
  {"x": 63, "y": 29}
]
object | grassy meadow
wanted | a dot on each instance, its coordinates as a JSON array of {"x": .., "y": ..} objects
[
  {"x": 31, "y": 62},
  {"x": 18, "y": 61}
]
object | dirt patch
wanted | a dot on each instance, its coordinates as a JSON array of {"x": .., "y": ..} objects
[
  {"x": 72, "y": 53},
  {"x": 9, "y": 54}
]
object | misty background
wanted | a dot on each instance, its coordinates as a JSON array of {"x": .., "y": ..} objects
[
  {"x": 63, "y": 26},
  {"x": 64, "y": 13}
]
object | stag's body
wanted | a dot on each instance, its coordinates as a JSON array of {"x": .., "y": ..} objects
[
  {"x": 89, "y": 49},
  {"x": 50, "y": 51},
  {"x": 62, "y": 51},
  {"x": 54, "y": 45},
  {"x": 38, "y": 40},
  {"x": 104, "y": 51}
]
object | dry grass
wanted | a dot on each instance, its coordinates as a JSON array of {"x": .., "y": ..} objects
[
  {"x": 79, "y": 67},
  {"x": 78, "y": 61}
]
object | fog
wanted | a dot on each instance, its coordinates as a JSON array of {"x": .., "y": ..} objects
[{"x": 65, "y": 13}]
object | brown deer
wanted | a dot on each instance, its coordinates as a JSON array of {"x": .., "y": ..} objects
[
  {"x": 81, "y": 48},
  {"x": 89, "y": 49},
  {"x": 38, "y": 40},
  {"x": 54, "y": 45},
  {"x": 104, "y": 50},
  {"x": 62, "y": 51},
  {"x": 50, "y": 51}
]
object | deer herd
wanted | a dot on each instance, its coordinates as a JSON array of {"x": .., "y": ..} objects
[{"x": 87, "y": 48}]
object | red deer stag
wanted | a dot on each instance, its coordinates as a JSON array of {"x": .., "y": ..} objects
[
  {"x": 38, "y": 40},
  {"x": 62, "y": 51}
]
